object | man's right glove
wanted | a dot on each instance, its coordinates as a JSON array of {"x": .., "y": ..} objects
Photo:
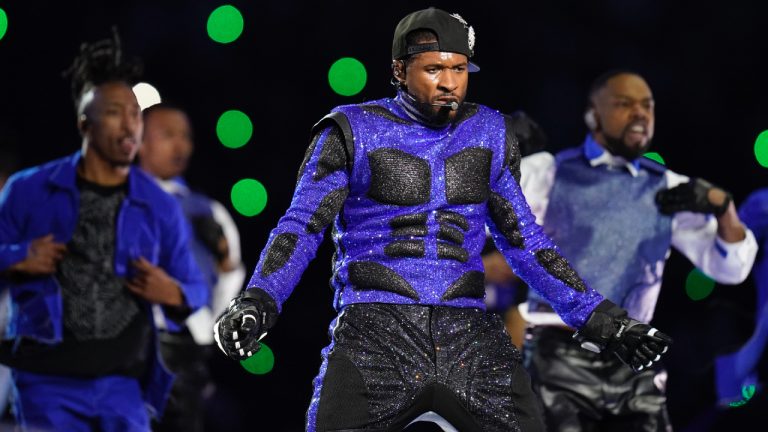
[
  {"x": 610, "y": 330},
  {"x": 239, "y": 329},
  {"x": 694, "y": 196}
]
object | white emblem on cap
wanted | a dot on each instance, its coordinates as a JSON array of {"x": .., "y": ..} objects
[
  {"x": 461, "y": 20},
  {"x": 470, "y": 32},
  {"x": 471, "y": 39}
]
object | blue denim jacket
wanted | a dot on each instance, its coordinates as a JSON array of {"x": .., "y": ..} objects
[{"x": 44, "y": 200}]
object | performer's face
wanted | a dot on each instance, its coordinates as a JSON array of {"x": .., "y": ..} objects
[
  {"x": 167, "y": 144},
  {"x": 437, "y": 77},
  {"x": 624, "y": 108},
  {"x": 112, "y": 123}
]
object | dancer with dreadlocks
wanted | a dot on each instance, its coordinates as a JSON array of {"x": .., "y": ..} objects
[{"x": 87, "y": 245}]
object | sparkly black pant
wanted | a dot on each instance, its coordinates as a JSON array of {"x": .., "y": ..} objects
[
  {"x": 584, "y": 392},
  {"x": 387, "y": 364}
]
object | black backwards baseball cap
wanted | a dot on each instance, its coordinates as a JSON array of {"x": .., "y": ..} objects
[{"x": 453, "y": 34}]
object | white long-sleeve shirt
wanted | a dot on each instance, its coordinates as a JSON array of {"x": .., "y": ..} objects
[
  {"x": 693, "y": 234},
  {"x": 228, "y": 283}
]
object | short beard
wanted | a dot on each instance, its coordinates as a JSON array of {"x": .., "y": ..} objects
[
  {"x": 425, "y": 112},
  {"x": 617, "y": 147},
  {"x": 431, "y": 117}
]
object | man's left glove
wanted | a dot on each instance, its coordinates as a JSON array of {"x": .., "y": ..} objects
[
  {"x": 609, "y": 329},
  {"x": 694, "y": 196},
  {"x": 239, "y": 329}
]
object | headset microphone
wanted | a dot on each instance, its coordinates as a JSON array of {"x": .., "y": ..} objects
[{"x": 453, "y": 105}]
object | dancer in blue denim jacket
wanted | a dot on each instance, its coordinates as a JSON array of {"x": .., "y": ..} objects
[{"x": 87, "y": 244}]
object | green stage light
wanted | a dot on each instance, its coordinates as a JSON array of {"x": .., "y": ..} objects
[
  {"x": 249, "y": 197},
  {"x": 656, "y": 157},
  {"x": 261, "y": 362},
  {"x": 225, "y": 24},
  {"x": 234, "y": 129},
  {"x": 698, "y": 285},
  {"x": 347, "y": 76},
  {"x": 761, "y": 149},
  {"x": 3, "y": 23}
]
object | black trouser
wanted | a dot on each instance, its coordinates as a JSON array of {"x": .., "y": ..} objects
[
  {"x": 389, "y": 363},
  {"x": 184, "y": 410},
  {"x": 586, "y": 391}
]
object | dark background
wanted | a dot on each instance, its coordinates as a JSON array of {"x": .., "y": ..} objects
[{"x": 704, "y": 62}]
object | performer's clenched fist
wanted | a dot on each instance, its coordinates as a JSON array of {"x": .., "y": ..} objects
[
  {"x": 610, "y": 330},
  {"x": 239, "y": 329}
]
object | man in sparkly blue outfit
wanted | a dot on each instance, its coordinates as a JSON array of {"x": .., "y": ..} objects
[{"x": 409, "y": 184}]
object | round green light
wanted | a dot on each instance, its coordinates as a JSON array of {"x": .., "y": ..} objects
[
  {"x": 234, "y": 129},
  {"x": 698, "y": 285},
  {"x": 347, "y": 76},
  {"x": 261, "y": 362},
  {"x": 3, "y": 23},
  {"x": 249, "y": 197},
  {"x": 225, "y": 24},
  {"x": 761, "y": 149},
  {"x": 656, "y": 157}
]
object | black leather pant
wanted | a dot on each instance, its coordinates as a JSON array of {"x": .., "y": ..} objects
[
  {"x": 184, "y": 410},
  {"x": 586, "y": 391}
]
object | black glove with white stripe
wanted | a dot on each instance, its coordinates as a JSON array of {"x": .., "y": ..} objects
[
  {"x": 610, "y": 330},
  {"x": 239, "y": 329}
]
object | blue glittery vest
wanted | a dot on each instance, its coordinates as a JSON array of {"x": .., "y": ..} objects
[{"x": 608, "y": 227}]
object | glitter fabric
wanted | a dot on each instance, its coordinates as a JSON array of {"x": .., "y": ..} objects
[
  {"x": 447, "y": 232},
  {"x": 371, "y": 276},
  {"x": 466, "y": 111},
  {"x": 334, "y": 123},
  {"x": 333, "y": 157},
  {"x": 453, "y": 218},
  {"x": 400, "y": 169},
  {"x": 408, "y": 231},
  {"x": 512, "y": 156},
  {"x": 311, "y": 150},
  {"x": 409, "y": 219},
  {"x": 384, "y": 112},
  {"x": 279, "y": 253},
  {"x": 467, "y": 176},
  {"x": 504, "y": 215},
  {"x": 400, "y": 351},
  {"x": 470, "y": 284},
  {"x": 398, "y": 177},
  {"x": 405, "y": 248},
  {"x": 558, "y": 267},
  {"x": 327, "y": 210},
  {"x": 449, "y": 251}
]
